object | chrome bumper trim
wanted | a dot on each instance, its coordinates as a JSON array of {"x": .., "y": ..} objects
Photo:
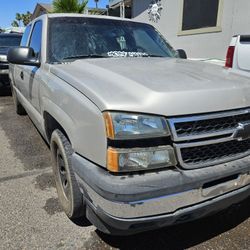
[
  {"x": 164, "y": 204},
  {"x": 4, "y": 71}
]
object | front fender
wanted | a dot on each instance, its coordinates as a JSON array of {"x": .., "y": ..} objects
[
  {"x": 59, "y": 115},
  {"x": 79, "y": 117}
]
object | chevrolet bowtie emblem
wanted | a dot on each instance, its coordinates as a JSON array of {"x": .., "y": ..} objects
[{"x": 242, "y": 132}]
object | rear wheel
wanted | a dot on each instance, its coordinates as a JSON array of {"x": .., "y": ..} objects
[
  {"x": 18, "y": 106},
  {"x": 69, "y": 194}
]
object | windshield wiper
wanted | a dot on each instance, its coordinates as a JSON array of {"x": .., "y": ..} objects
[{"x": 84, "y": 56}]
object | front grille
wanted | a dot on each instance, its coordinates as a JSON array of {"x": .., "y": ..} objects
[
  {"x": 4, "y": 65},
  {"x": 215, "y": 152},
  {"x": 211, "y": 125},
  {"x": 206, "y": 140}
]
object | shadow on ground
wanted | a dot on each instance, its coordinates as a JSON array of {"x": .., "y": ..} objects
[
  {"x": 182, "y": 236},
  {"x": 25, "y": 141}
]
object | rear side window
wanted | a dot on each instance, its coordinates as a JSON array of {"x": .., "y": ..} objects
[
  {"x": 36, "y": 38},
  {"x": 25, "y": 36}
]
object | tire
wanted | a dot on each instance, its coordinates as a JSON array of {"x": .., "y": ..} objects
[
  {"x": 69, "y": 194},
  {"x": 18, "y": 106}
]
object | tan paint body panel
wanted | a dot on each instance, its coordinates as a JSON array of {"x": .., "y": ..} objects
[{"x": 169, "y": 87}]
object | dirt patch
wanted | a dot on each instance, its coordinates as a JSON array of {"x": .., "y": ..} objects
[
  {"x": 45, "y": 181},
  {"x": 52, "y": 206}
]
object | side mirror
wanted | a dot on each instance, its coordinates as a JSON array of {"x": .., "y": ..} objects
[
  {"x": 23, "y": 56},
  {"x": 182, "y": 53}
]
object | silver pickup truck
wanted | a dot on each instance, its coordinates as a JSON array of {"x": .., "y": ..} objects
[{"x": 141, "y": 139}]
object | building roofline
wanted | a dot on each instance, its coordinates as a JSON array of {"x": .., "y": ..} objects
[{"x": 39, "y": 5}]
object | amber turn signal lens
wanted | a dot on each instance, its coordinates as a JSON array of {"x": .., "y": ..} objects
[
  {"x": 109, "y": 125},
  {"x": 112, "y": 160},
  {"x": 138, "y": 159}
]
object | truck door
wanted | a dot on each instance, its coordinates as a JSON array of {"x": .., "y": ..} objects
[
  {"x": 30, "y": 76},
  {"x": 17, "y": 80}
]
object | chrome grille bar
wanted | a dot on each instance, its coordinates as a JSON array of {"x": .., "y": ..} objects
[
  {"x": 213, "y": 116},
  {"x": 208, "y": 139}
]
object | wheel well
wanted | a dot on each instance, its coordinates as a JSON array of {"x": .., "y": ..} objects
[{"x": 51, "y": 124}]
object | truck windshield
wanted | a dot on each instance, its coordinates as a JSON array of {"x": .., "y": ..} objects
[
  {"x": 78, "y": 37},
  {"x": 10, "y": 41}
]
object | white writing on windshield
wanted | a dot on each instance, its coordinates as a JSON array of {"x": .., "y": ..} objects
[{"x": 126, "y": 54}]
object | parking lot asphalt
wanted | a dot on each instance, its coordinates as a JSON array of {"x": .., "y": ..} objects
[{"x": 31, "y": 218}]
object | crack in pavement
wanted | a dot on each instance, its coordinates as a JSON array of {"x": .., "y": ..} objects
[{"x": 23, "y": 175}]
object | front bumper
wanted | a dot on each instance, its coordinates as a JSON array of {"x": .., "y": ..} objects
[{"x": 135, "y": 203}]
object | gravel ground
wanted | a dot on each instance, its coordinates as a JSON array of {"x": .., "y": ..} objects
[{"x": 31, "y": 217}]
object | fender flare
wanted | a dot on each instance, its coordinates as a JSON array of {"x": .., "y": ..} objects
[{"x": 59, "y": 115}]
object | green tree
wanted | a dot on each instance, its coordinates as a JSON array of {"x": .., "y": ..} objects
[
  {"x": 69, "y": 6},
  {"x": 25, "y": 18},
  {"x": 18, "y": 18},
  {"x": 15, "y": 23}
]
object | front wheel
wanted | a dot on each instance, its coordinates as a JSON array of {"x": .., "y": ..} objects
[{"x": 69, "y": 194}]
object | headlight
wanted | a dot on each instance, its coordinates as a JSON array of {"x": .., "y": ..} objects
[
  {"x": 125, "y": 160},
  {"x": 134, "y": 126},
  {"x": 127, "y": 126},
  {"x": 3, "y": 58}
]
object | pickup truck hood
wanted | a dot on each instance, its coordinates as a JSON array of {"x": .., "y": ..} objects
[{"x": 163, "y": 86}]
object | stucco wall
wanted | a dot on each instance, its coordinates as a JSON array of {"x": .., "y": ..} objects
[{"x": 235, "y": 20}]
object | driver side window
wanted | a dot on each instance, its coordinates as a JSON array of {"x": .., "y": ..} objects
[
  {"x": 25, "y": 36},
  {"x": 36, "y": 38}
]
